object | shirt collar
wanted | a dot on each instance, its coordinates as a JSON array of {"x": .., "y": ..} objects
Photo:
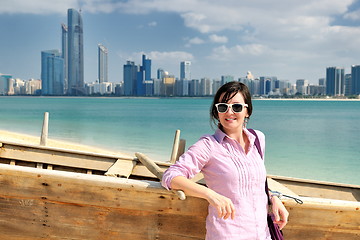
[{"x": 220, "y": 136}]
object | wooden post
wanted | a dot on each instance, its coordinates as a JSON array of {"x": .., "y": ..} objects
[
  {"x": 156, "y": 170},
  {"x": 181, "y": 150},
  {"x": 175, "y": 148},
  {"x": 45, "y": 129}
]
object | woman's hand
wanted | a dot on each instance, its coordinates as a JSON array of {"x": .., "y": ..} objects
[
  {"x": 223, "y": 205},
  {"x": 280, "y": 213}
]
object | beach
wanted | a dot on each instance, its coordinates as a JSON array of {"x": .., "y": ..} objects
[{"x": 14, "y": 137}]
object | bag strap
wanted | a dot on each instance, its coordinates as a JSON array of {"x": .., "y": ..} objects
[{"x": 257, "y": 145}]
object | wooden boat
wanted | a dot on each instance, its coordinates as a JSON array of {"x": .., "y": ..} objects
[{"x": 57, "y": 193}]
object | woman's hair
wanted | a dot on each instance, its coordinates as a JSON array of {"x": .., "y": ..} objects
[{"x": 230, "y": 89}]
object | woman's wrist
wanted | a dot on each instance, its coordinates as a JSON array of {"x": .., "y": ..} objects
[{"x": 275, "y": 194}]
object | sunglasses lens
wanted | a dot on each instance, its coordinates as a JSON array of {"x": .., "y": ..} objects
[
  {"x": 222, "y": 108},
  {"x": 237, "y": 107}
]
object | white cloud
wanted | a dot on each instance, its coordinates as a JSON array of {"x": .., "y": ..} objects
[
  {"x": 37, "y": 6},
  {"x": 152, "y": 24},
  {"x": 355, "y": 15},
  {"x": 224, "y": 53},
  {"x": 169, "y": 56},
  {"x": 218, "y": 39},
  {"x": 196, "y": 40},
  {"x": 197, "y": 21}
]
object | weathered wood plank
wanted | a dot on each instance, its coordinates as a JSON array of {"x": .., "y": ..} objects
[
  {"x": 60, "y": 158},
  {"x": 121, "y": 168},
  {"x": 321, "y": 189},
  {"x": 38, "y": 218},
  {"x": 83, "y": 189},
  {"x": 276, "y": 186},
  {"x": 322, "y": 220},
  {"x": 51, "y": 204}
]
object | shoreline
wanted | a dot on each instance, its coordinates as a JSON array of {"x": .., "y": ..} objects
[
  {"x": 178, "y": 97},
  {"x": 309, "y": 99},
  {"x": 10, "y": 136}
]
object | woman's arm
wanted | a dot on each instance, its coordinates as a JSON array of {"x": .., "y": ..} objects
[
  {"x": 280, "y": 213},
  {"x": 223, "y": 205}
]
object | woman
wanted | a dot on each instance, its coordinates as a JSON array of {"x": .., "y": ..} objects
[{"x": 233, "y": 170}]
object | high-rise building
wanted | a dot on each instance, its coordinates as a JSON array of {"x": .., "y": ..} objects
[
  {"x": 33, "y": 87},
  {"x": 146, "y": 67},
  {"x": 194, "y": 87},
  {"x": 205, "y": 87},
  {"x": 302, "y": 86},
  {"x": 185, "y": 70},
  {"x": 52, "y": 73},
  {"x": 168, "y": 85},
  {"x": 182, "y": 87},
  {"x": 130, "y": 77},
  {"x": 75, "y": 54},
  {"x": 64, "y": 53},
  {"x": 265, "y": 85},
  {"x": 160, "y": 73},
  {"x": 4, "y": 83},
  {"x": 335, "y": 81},
  {"x": 216, "y": 85},
  {"x": 103, "y": 63},
  {"x": 355, "y": 79},
  {"x": 226, "y": 79},
  {"x": 143, "y": 77},
  {"x": 348, "y": 85}
]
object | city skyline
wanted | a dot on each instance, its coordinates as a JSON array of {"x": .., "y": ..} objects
[{"x": 291, "y": 41}]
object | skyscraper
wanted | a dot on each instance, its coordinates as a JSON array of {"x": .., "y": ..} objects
[
  {"x": 130, "y": 76},
  {"x": 64, "y": 54},
  {"x": 160, "y": 73},
  {"x": 185, "y": 70},
  {"x": 301, "y": 86},
  {"x": 335, "y": 80},
  {"x": 75, "y": 54},
  {"x": 103, "y": 64},
  {"x": 146, "y": 67},
  {"x": 348, "y": 86},
  {"x": 143, "y": 76},
  {"x": 52, "y": 72},
  {"x": 4, "y": 83},
  {"x": 355, "y": 79}
]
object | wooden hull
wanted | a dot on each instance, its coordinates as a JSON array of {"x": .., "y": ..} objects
[
  {"x": 43, "y": 204},
  {"x": 38, "y": 203}
]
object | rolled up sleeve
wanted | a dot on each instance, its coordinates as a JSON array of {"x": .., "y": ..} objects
[{"x": 190, "y": 163}]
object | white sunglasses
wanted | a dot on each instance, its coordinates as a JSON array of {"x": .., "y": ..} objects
[{"x": 224, "y": 107}]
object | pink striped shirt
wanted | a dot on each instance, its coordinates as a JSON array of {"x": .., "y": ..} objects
[{"x": 229, "y": 171}]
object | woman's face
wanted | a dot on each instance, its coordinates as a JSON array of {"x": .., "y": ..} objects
[{"x": 232, "y": 121}]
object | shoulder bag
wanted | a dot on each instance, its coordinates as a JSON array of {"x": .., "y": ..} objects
[{"x": 275, "y": 232}]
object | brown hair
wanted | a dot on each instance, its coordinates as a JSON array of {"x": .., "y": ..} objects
[{"x": 230, "y": 89}]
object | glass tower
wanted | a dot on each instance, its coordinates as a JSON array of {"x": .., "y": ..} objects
[
  {"x": 52, "y": 73},
  {"x": 130, "y": 76},
  {"x": 4, "y": 83},
  {"x": 64, "y": 53},
  {"x": 335, "y": 81},
  {"x": 75, "y": 54},
  {"x": 185, "y": 71},
  {"x": 355, "y": 79},
  {"x": 103, "y": 64}
]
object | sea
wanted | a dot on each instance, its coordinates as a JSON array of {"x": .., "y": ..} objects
[{"x": 311, "y": 139}]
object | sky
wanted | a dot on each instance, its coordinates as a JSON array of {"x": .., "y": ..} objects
[{"x": 289, "y": 39}]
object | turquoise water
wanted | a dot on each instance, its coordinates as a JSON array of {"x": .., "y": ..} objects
[{"x": 307, "y": 139}]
